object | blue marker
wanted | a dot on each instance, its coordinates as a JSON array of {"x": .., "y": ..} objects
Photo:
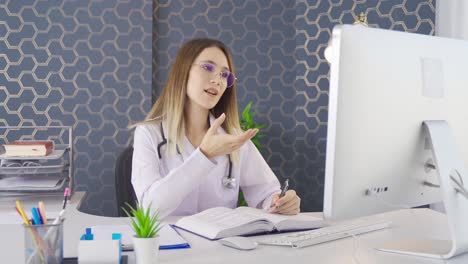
[{"x": 36, "y": 217}]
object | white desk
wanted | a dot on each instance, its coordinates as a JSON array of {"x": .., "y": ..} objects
[
  {"x": 415, "y": 223},
  {"x": 12, "y": 231},
  {"x": 53, "y": 205}
]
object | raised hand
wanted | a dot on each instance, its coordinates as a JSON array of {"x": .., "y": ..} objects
[{"x": 214, "y": 144}]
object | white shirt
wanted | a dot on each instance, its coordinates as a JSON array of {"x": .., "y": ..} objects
[{"x": 188, "y": 183}]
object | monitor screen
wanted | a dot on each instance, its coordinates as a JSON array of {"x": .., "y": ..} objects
[{"x": 383, "y": 85}]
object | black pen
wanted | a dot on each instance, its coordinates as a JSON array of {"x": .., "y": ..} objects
[{"x": 283, "y": 190}]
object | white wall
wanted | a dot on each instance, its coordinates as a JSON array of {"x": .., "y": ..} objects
[{"x": 452, "y": 19}]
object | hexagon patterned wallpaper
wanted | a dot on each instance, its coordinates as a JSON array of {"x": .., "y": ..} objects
[
  {"x": 85, "y": 64},
  {"x": 278, "y": 53},
  {"x": 314, "y": 23}
]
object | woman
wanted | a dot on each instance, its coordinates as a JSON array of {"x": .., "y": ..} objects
[{"x": 190, "y": 153}]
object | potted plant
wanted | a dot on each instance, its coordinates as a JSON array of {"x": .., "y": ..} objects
[
  {"x": 247, "y": 122},
  {"x": 146, "y": 240}
]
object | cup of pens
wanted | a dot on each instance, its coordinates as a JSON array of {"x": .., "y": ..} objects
[
  {"x": 44, "y": 242},
  {"x": 43, "y": 237}
]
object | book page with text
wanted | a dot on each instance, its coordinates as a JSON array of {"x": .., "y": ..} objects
[
  {"x": 212, "y": 221},
  {"x": 284, "y": 221}
]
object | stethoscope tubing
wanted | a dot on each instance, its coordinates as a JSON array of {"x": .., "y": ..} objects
[{"x": 228, "y": 181}]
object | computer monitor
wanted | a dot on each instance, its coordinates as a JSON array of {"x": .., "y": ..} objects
[
  {"x": 398, "y": 128},
  {"x": 383, "y": 85}
]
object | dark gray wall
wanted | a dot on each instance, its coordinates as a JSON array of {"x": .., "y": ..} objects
[
  {"x": 278, "y": 52},
  {"x": 85, "y": 64}
]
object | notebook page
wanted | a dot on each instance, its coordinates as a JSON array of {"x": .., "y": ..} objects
[
  {"x": 299, "y": 220},
  {"x": 212, "y": 221}
]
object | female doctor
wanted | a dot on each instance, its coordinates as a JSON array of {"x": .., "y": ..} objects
[{"x": 190, "y": 153}]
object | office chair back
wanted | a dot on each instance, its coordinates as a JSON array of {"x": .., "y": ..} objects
[{"x": 123, "y": 181}]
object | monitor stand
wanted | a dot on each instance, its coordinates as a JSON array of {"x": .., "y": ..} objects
[{"x": 452, "y": 175}]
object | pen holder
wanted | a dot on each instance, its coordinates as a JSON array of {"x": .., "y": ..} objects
[{"x": 43, "y": 243}]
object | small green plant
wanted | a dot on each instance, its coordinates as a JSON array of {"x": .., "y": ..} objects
[
  {"x": 247, "y": 122},
  {"x": 145, "y": 224}
]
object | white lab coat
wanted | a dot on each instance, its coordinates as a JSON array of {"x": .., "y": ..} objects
[{"x": 190, "y": 183}]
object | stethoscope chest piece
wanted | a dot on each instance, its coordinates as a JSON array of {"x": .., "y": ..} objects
[{"x": 229, "y": 182}]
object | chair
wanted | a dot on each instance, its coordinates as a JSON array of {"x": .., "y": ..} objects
[{"x": 123, "y": 181}]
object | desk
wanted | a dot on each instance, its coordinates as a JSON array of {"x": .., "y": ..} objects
[
  {"x": 11, "y": 229},
  {"x": 53, "y": 205},
  {"x": 407, "y": 223}
]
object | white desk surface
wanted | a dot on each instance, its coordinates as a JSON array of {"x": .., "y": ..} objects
[{"x": 416, "y": 223}]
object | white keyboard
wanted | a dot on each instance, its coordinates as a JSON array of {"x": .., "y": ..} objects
[{"x": 326, "y": 234}]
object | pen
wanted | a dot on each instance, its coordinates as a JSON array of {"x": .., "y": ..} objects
[
  {"x": 33, "y": 233},
  {"x": 285, "y": 188},
  {"x": 56, "y": 221},
  {"x": 62, "y": 212},
  {"x": 21, "y": 212},
  {"x": 25, "y": 219},
  {"x": 283, "y": 191},
  {"x": 35, "y": 216},
  {"x": 42, "y": 212},
  {"x": 66, "y": 194}
]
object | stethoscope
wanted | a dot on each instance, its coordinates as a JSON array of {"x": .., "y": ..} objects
[{"x": 228, "y": 181}]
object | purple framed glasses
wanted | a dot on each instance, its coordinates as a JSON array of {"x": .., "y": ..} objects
[{"x": 226, "y": 76}]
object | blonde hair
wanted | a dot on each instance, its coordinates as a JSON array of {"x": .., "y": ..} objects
[{"x": 169, "y": 107}]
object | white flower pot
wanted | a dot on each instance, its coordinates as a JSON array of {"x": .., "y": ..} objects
[{"x": 146, "y": 250}]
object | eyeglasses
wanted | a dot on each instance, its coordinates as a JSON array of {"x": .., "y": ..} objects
[{"x": 227, "y": 77}]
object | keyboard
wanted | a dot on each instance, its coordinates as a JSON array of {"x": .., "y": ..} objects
[{"x": 326, "y": 234}]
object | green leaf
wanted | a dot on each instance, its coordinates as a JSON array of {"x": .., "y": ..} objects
[
  {"x": 143, "y": 222},
  {"x": 247, "y": 122},
  {"x": 256, "y": 143},
  {"x": 246, "y": 111},
  {"x": 241, "y": 199}
]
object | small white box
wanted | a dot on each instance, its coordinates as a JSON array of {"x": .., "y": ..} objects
[{"x": 99, "y": 252}]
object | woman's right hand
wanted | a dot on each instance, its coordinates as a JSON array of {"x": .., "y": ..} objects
[{"x": 214, "y": 144}]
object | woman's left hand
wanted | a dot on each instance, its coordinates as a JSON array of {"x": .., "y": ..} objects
[{"x": 289, "y": 204}]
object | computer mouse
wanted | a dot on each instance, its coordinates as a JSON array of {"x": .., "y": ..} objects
[{"x": 238, "y": 242}]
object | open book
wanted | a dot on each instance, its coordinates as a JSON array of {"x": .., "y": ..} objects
[{"x": 220, "y": 222}]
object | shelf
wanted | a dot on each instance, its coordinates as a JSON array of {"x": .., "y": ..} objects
[
  {"x": 33, "y": 169},
  {"x": 14, "y": 184},
  {"x": 58, "y": 153},
  {"x": 20, "y": 180},
  {"x": 29, "y": 184}
]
